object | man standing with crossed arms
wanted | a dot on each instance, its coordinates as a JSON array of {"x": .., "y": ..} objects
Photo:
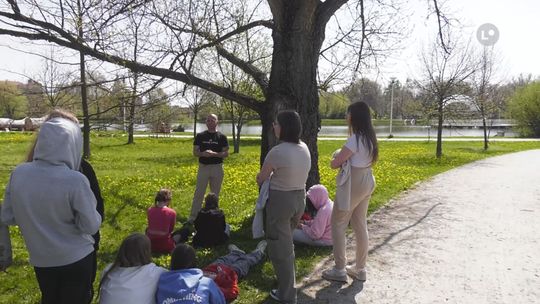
[{"x": 211, "y": 147}]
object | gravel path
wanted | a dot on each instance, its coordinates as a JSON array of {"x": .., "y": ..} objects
[{"x": 470, "y": 235}]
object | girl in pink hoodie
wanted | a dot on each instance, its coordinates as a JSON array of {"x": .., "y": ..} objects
[{"x": 318, "y": 231}]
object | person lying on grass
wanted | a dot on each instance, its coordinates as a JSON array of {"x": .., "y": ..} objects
[{"x": 228, "y": 269}]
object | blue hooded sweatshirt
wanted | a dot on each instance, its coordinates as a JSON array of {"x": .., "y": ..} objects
[{"x": 188, "y": 286}]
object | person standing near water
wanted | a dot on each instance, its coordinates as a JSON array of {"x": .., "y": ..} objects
[
  {"x": 357, "y": 156},
  {"x": 289, "y": 163},
  {"x": 211, "y": 147}
]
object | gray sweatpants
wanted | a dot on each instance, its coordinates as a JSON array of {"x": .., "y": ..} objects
[
  {"x": 207, "y": 174},
  {"x": 283, "y": 212}
]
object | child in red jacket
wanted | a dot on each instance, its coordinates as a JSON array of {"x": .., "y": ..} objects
[
  {"x": 161, "y": 220},
  {"x": 228, "y": 269}
]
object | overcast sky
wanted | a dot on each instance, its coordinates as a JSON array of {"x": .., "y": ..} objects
[{"x": 518, "y": 45}]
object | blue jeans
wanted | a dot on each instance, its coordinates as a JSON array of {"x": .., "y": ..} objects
[{"x": 240, "y": 262}]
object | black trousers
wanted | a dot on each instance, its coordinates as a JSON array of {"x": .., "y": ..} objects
[{"x": 70, "y": 283}]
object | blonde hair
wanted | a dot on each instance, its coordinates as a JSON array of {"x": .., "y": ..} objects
[{"x": 59, "y": 113}]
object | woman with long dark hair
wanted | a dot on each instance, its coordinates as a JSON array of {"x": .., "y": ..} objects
[
  {"x": 355, "y": 184},
  {"x": 288, "y": 163},
  {"x": 132, "y": 277}
]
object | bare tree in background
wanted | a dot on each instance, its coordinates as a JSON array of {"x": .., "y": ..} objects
[
  {"x": 196, "y": 99},
  {"x": 483, "y": 90},
  {"x": 185, "y": 37},
  {"x": 56, "y": 82},
  {"x": 445, "y": 71}
]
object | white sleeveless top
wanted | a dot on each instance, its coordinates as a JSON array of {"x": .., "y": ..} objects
[{"x": 361, "y": 157}]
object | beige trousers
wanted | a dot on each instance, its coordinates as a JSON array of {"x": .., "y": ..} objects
[
  {"x": 207, "y": 174},
  {"x": 362, "y": 185},
  {"x": 282, "y": 213}
]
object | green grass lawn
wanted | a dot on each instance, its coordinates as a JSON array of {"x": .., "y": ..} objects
[{"x": 131, "y": 174}]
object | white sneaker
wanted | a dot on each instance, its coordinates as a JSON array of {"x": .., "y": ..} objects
[
  {"x": 334, "y": 274},
  {"x": 359, "y": 275},
  {"x": 233, "y": 247},
  {"x": 261, "y": 246}
]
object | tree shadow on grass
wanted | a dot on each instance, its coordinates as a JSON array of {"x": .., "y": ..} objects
[{"x": 126, "y": 201}]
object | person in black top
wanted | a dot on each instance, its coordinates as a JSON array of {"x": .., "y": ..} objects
[
  {"x": 210, "y": 224},
  {"x": 211, "y": 147},
  {"x": 87, "y": 170}
]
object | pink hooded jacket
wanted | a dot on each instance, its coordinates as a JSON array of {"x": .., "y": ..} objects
[{"x": 319, "y": 228}]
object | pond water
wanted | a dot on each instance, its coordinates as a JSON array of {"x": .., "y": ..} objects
[{"x": 382, "y": 131}]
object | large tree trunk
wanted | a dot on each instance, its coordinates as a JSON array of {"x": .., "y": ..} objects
[{"x": 297, "y": 37}]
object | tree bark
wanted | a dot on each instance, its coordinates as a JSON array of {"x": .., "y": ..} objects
[{"x": 297, "y": 37}]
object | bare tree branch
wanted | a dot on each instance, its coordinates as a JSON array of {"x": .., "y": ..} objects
[{"x": 137, "y": 67}]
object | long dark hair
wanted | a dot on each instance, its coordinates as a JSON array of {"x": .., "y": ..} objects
[
  {"x": 291, "y": 126},
  {"x": 360, "y": 125},
  {"x": 134, "y": 251}
]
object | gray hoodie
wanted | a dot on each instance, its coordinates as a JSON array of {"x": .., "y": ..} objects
[{"x": 51, "y": 201}]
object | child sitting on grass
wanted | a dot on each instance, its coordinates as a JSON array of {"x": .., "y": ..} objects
[
  {"x": 318, "y": 230},
  {"x": 210, "y": 224},
  {"x": 132, "y": 277},
  {"x": 161, "y": 221},
  {"x": 185, "y": 283}
]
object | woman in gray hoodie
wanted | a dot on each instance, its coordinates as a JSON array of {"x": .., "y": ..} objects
[{"x": 55, "y": 209}]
